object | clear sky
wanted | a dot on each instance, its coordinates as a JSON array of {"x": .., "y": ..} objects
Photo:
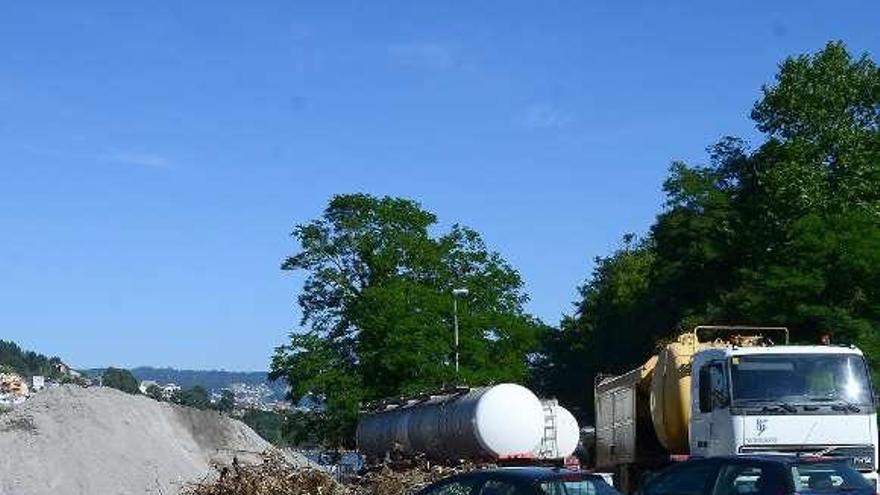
[{"x": 155, "y": 155}]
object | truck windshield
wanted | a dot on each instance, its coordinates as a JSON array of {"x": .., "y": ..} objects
[{"x": 814, "y": 378}]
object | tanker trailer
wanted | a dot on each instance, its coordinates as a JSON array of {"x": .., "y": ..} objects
[
  {"x": 505, "y": 421},
  {"x": 730, "y": 390},
  {"x": 561, "y": 432}
]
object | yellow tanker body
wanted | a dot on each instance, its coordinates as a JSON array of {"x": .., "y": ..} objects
[{"x": 671, "y": 393}]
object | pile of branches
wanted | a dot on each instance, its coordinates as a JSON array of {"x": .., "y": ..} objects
[
  {"x": 405, "y": 477},
  {"x": 272, "y": 476},
  {"x": 275, "y": 476}
]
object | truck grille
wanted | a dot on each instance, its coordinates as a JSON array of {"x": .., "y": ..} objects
[{"x": 862, "y": 456}]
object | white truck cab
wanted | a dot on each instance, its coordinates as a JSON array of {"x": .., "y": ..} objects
[{"x": 812, "y": 400}]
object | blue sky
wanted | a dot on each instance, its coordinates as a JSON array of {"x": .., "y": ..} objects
[{"x": 155, "y": 155}]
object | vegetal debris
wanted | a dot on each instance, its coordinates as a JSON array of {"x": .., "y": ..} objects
[{"x": 275, "y": 476}]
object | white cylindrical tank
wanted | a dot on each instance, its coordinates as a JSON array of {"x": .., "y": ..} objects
[
  {"x": 567, "y": 432},
  {"x": 502, "y": 421},
  {"x": 561, "y": 432}
]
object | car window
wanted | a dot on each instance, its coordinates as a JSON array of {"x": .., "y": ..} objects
[
  {"x": 577, "y": 487},
  {"x": 461, "y": 487},
  {"x": 748, "y": 479},
  {"x": 687, "y": 479},
  {"x": 826, "y": 477},
  {"x": 499, "y": 487}
]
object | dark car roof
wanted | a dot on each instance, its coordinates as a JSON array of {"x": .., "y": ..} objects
[
  {"x": 531, "y": 473},
  {"x": 776, "y": 458}
]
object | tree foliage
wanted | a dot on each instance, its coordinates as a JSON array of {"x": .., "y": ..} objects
[
  {"x": 267, "y": 424},
  {"x": 377, "y": 308},
  {"x": 155, "y": 392},
  {"x": 196, "y": 397},
  {"x": 226, "y": 404},
  {"x": 787, "y": 233},
  {"x": 120, "y": 379},
  {"x": 28, "y": 363}
]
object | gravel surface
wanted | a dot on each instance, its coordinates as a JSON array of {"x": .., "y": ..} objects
[{"x": 76, "y": 441}]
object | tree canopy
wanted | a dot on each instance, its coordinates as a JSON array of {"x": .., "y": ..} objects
[
  {"x": 28, "y": 363},
  {"x": 196, "y": 397},
  {"x": 785, "y": 233},
  {"x": 377, "y": 308},
  {"x": 226, "y": 403},
  {"x": 120, "y": 379}
]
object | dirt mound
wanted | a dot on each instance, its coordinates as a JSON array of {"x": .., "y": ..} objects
[{"x": 72, "y": 441}]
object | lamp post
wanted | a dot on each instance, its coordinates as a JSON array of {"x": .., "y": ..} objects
[{"x": 455, "y": 294}]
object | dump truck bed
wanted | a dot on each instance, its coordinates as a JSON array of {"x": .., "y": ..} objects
[
  {"x": 624, "y": 431},
  {"x": 616, "y": 419}
]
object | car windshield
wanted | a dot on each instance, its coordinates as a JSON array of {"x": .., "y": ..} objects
[
  {"x": 827, "y": 477},
  {"x": 577, "y": 486},
  {"x": 801, "y": 378}
]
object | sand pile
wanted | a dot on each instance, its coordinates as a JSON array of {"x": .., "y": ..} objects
[{"x": 76, "y": 441}]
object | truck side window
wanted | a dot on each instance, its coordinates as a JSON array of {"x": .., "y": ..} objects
[
  {"x": 718, "y": 385},
  {"x": 713, "y": 388},
  {"x": 705, "y": 390}
]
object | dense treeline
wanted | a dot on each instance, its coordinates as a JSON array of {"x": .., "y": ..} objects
[
  {"x": 783, "y": 233},
  {"x": 27, "y": 363},
  {"x": 301, "y": 429},
  {"x": 209, "y": 379},
  {"x": 196, "y": 396}
]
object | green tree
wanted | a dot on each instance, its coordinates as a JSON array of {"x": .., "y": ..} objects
[
  {"x": 267, "y": 424},
  {"x": 306, "y": 429},
  {"x": 155, "y": 392},
  {"x": 787, "y": 233},
  {"x": 120, "y": 379},
  {"x": 227, "y": 401},
  {"x": 377, "y": 305},
  {"x": 196, "y": 397}
]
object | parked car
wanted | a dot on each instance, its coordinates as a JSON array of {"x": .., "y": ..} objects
[
  {"x": 760, "y": 475},
  {"x": 522, "y": 481}
]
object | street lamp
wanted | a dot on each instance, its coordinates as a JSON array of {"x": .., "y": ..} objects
[{"x": 455, "y": 294}]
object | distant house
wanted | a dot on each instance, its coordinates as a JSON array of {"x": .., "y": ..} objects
[
  {"x": 145, "y": 385},
  {"x": 13, "y": 389},
  {"x": 64, "y": 369},
  {"x": 38, "y": 382},
  {"x": 169, "y": 389}
]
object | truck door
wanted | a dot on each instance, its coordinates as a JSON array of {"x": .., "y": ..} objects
[
  {"x": 710, "y": 426},
  {"x": 720, "y": 425},
  {"x": 701, "y": 407}
]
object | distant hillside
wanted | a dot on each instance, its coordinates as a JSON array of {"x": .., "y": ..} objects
[
  {"x": 27, "y": 363},
  {"x": 209, "y": 379}
]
